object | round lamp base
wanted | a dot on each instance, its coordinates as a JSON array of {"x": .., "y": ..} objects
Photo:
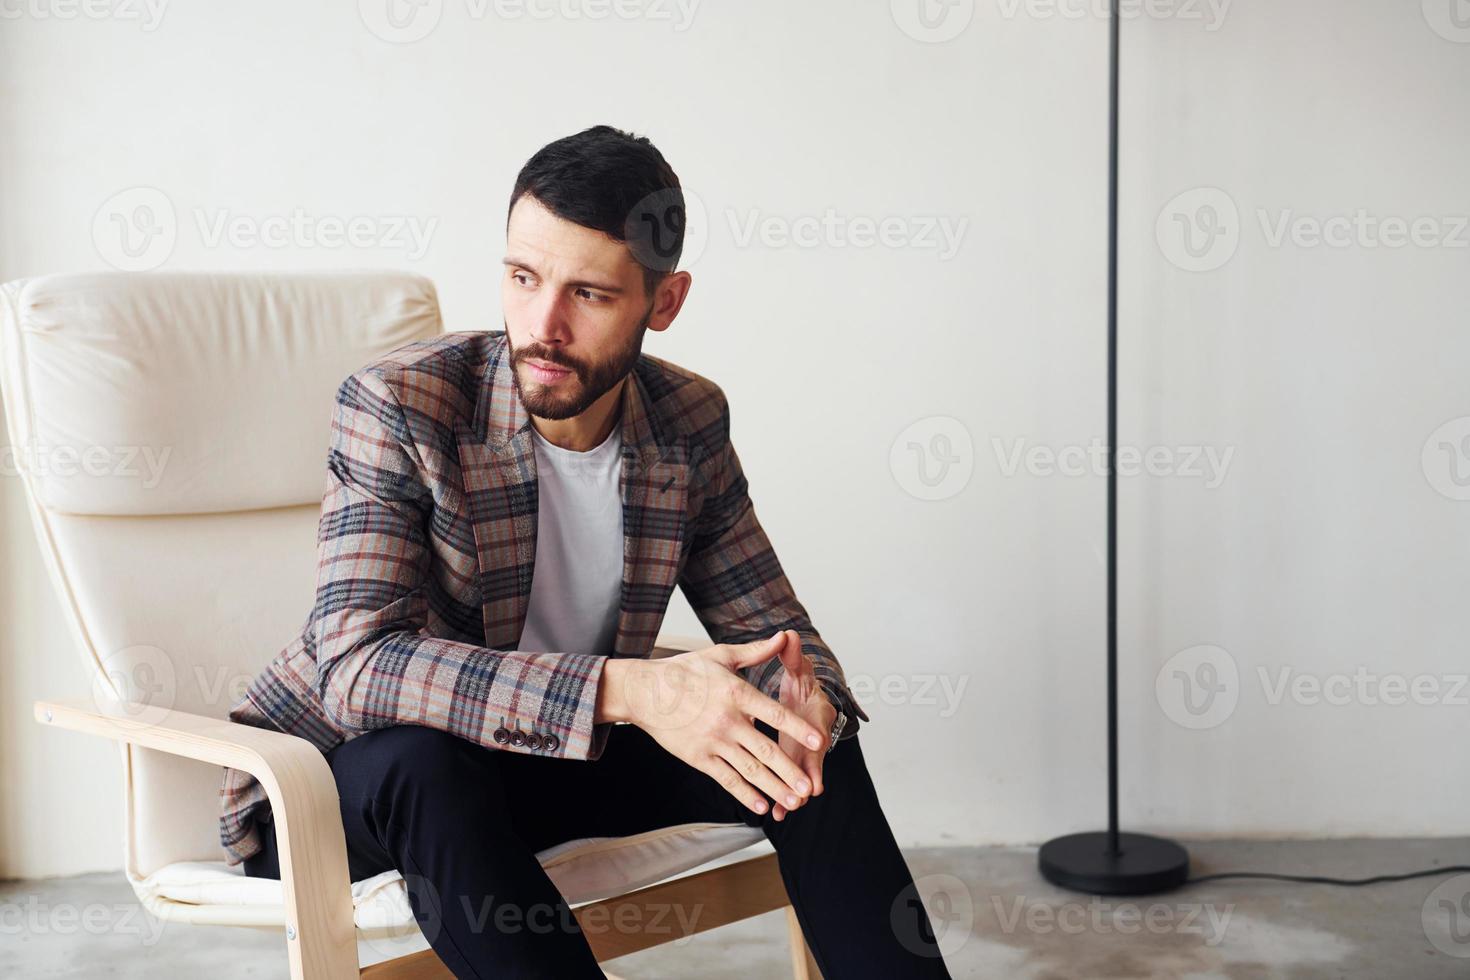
[{"x": 1143, "y": 864}]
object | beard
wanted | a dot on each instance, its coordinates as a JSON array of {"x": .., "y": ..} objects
[{"x": 573, "y": 396}]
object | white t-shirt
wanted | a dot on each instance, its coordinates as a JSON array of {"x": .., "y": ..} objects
[{"x": 576, "y": 590}]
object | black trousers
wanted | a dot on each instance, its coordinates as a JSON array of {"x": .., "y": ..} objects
[{"x": 463, "y": 823}]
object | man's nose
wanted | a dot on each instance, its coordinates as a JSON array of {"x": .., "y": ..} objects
[{"x": 549, "y": 320}]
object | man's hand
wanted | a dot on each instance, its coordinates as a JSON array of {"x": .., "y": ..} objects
[
  {"x": 699, "y": 709},
  {"x": 804, "y": 697}
]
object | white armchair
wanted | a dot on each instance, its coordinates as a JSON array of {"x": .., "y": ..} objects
[{"x": 171, "y": 431}]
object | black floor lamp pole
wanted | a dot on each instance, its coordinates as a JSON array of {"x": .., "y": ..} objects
[
  {"x": 1113, "y": 31},
  {"x": 1113, "y": 863}
]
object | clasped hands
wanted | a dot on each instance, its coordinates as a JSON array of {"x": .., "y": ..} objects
[{"x": 700, "y": 710}]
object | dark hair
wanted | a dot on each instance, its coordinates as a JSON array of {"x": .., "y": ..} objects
[{"x": 616, "y": 183}]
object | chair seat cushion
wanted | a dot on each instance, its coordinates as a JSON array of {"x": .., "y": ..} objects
[{"x": 584, "y": 870}]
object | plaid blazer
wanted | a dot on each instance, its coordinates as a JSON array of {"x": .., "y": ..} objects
[{"x": 426, "y": 548}]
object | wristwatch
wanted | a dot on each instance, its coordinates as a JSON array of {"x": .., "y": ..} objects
[{"x": 839, "y": 723}]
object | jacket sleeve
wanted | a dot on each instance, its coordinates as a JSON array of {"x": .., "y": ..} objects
[
  {"x": 735, "y": 585},
  {"x": 377, "y": 664}
]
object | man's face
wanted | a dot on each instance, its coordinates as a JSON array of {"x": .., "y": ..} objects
[{"x": 575, "y": 311}]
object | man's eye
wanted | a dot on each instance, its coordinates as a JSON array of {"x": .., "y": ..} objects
[
  {"x": 521, "y": 278},
  {"x": 589, "y": 294}
]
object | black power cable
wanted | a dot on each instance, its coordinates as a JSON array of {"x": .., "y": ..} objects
[{"x": 1315, "y": 880}]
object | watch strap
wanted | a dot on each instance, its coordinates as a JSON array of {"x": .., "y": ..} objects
[{"x": 838, "y": 724}]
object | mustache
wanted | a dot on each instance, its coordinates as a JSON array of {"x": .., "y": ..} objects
[{"x": 550, "y": 357}]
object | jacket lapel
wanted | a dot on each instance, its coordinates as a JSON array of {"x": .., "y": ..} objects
[
  {"x": 498, "y": 466},
  {"x": 655, "y": 489}
]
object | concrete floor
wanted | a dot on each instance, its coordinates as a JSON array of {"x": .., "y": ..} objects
[{"x": 994, "y": 915}]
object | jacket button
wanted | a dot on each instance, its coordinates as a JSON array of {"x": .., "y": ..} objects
[
  {"x": 501, "y": 736},
  {"x": 533, "y": 741},
  {"x": 517, "y": 738},
  {"x": 550, "y": 742}
]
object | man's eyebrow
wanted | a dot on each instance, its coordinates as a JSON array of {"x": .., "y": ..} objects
[{"x": 602, "y": 287}]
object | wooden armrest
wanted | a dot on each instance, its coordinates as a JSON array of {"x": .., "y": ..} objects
[{"x": 321, "y": 938}]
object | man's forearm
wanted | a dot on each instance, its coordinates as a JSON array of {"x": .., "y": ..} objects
[{"x": 612, "y": 691}]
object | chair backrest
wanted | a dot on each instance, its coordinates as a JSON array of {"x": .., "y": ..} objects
[{"x": 171, "y": 432}]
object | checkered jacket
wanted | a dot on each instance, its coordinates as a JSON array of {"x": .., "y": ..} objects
[{"x": 427, "y": 543}]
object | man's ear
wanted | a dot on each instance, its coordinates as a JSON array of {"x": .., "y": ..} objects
[{"x": 668, "y": 299}]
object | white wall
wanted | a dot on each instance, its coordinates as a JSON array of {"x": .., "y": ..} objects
[{"x": 1322, "y": 371}]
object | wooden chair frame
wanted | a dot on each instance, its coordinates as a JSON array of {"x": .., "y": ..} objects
[{"x": 321, "y": 938}]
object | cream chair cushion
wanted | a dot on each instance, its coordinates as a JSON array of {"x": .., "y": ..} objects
[
  {"x": 586, "y": 870},
  {"x": 231, "y": 374},
  {"x": 184, "y": 555}
]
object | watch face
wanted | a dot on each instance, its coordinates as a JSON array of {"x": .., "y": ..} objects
[{"x": 837, "y": 726}]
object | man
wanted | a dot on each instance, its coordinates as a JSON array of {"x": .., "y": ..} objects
[{"x": 505, "y": 518}]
